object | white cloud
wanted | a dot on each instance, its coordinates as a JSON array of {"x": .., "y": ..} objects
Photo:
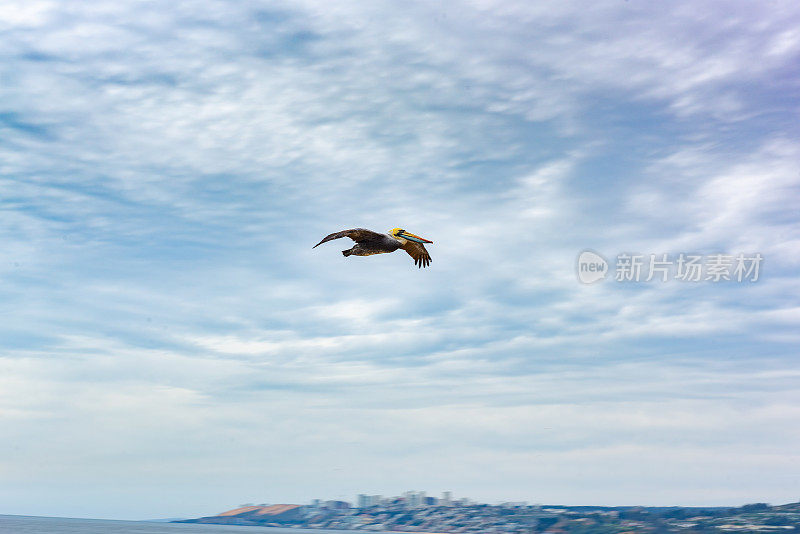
[{"x": 166, "y": 172}]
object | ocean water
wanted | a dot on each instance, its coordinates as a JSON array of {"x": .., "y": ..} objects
[{"x": 18, "y": 524}]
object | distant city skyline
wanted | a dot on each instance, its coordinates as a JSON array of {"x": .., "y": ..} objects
[{"x": 414, "y": 511}]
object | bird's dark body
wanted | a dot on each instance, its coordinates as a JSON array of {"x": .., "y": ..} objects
[{"x": 379, "y": 244}]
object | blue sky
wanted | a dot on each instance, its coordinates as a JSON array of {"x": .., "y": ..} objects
[{"x": 171, "y": 345}]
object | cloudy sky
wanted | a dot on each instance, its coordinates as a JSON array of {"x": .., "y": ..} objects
[{"x": 172, "y": 346}]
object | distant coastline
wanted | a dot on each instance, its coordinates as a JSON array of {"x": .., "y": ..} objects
[{"x": 400, "y": 515}]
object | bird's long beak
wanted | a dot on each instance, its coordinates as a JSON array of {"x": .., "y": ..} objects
[{"x": 412, "y": 237}]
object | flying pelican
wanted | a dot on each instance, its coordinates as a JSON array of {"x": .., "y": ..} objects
[{"x": 369, "y": 243}]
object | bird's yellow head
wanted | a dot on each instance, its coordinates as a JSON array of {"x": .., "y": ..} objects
[{"x": 403, "y": 236}]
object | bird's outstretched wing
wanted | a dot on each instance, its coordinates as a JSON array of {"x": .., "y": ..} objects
[
  {"x": 356, "y": 234},
  {"x": 418, "y": 252}
]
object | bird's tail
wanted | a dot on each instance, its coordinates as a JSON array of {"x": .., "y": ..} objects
[{"x": 346, "y": 253}]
